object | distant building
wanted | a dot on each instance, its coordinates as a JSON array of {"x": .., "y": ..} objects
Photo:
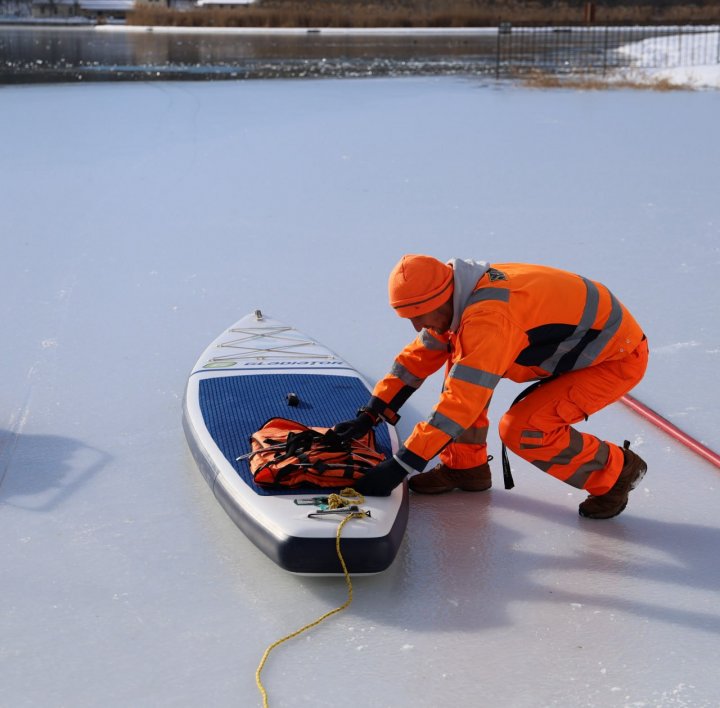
[
  {"x": 185, "y": 4},
  {"x": 15, "y": 8},
  {"x": 55, "y": 9},
  {"x": 223, "y": 3},
  {"x": 103, "y": 10},
  {"x": 99, "y": 10},
  {"x": 190, "y": 4}
]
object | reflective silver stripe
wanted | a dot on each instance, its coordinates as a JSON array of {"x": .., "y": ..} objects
[
  {"x": 592, "y": 298},
  {"x": 430, "y": 342},
  {"x": 481, "y": 294},
  {"x": 579, "y": 478},
  {"x": 473, "y": 436},
  {"x": 525, "y": 434},
  {"x": 611, "y": 326},
  {"x": 447, "y": 425},
  {"x": 566, "y": 456},
  {"x": 405, "y": 376},
  {"x": 531, "y": 434},
  {"x": 469, "y": 374}
]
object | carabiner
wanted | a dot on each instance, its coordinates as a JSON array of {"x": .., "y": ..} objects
[
  {"x": 314, "y": 501},
  {"x": 342, "y": 510}
]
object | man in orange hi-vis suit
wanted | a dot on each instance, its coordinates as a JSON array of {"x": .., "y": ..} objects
[{"x": 522, "y": 322}]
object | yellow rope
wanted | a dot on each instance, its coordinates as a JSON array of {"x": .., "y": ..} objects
[
  {"x": 354, "y": 496},
  {"x": 346, "y": 497}
]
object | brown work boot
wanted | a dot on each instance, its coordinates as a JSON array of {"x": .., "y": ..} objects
[
  {"x": 613, "y": 502},
  {"x": 442, "y": 479}
]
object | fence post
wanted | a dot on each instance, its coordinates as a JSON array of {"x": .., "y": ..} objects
[
  {"x": 605, "y": 51},
  {"x": 589, "y": 13},
  {"x": 503, "y": 28}
]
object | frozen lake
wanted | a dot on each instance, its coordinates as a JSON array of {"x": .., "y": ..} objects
[{"x": 138, "y": 220}]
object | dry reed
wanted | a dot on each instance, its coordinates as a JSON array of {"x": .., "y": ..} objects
[
  {"x": 425, "y": 14},
  {"x": 542, "y": 79}
]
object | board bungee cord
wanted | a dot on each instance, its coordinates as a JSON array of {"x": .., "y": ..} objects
[{"x": 259, "y": 369}]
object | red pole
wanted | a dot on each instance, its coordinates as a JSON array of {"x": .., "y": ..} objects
[{"x": 671, "y": 429}]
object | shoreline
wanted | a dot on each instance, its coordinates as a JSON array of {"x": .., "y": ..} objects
[
  {"x": 172, "y": 29},
  {"x": 369, "y": 31},
  {"x": 122, "y": 27}
]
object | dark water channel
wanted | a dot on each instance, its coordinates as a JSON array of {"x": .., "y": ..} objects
[{"x": 34, "y": 54}]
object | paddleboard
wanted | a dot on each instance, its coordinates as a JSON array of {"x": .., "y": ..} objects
[{"x": 258, "y": 369}]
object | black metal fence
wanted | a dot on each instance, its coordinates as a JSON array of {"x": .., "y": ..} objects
[{"x": 595, "y": 49}]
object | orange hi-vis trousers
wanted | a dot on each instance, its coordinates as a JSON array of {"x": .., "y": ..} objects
[{"x": 539, "y": 427}]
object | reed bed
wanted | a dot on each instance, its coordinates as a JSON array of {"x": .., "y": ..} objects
[{"x": 427, "y": 14}]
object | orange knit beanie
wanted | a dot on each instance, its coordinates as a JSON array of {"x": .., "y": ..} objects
[{"x": 419, "y": 284}]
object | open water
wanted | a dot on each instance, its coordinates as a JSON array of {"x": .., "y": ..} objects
[{"x": 34, "y": 54}]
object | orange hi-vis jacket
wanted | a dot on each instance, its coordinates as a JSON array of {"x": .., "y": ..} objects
[{"x": 511, "y": 320}]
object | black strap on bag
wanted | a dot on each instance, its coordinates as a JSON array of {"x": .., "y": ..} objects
[
  {"x": 507, "y": 472},
  {"x": 286, "y": 454}
]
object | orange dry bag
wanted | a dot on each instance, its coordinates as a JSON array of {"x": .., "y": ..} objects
[{"x": 286, "y": 453}]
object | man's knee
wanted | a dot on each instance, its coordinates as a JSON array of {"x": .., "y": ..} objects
[{"x": 510, "y": 429}]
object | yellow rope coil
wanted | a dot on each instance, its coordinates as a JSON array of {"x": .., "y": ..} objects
[
  {"x": 346, "y": 497},
  {"x": 335, "y": 501}
]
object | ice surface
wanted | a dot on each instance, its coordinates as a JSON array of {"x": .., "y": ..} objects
[{"x": 138, "y": 220}]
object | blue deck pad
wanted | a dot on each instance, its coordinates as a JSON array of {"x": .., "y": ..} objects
[{"x": 234, "y": 407}]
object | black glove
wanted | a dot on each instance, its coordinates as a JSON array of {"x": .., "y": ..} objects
[
  {"x": 381, "y": 480},
  {"x": 355, "y": 428}
]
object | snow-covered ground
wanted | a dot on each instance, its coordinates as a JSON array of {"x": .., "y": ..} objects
[
  {"x": 697, "y": 77},
  {"x": 653, "y": 52},
  {"x": 138, "y": 220}
]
